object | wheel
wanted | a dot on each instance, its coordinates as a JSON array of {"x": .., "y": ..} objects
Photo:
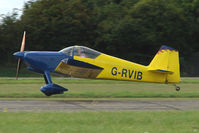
[{"x": 177, "y": 88}]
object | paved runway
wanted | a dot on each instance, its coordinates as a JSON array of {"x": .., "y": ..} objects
[{"x": 96, "y": 105}]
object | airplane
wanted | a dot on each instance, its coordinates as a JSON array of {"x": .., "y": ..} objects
[{"x": 84, "y": 62}]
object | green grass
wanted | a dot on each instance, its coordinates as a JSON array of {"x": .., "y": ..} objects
[
  {"x": 85, "y": 88},
  {"x": 101, "y": 122}
]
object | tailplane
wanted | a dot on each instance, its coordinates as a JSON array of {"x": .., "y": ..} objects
[{"x": 166, "y": 61}]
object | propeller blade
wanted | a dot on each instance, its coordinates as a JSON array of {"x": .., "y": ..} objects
[
  {"x": 23, "y": 42},
  {"x": 21, "y": 50}
]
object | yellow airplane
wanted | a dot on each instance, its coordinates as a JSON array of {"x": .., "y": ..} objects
[{"x": 83, "y": 62}]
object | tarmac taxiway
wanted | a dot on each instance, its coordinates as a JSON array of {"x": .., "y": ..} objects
[{"x": 97, "y": 105}]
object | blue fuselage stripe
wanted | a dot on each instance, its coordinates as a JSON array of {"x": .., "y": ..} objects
[{"x": 78, "y": 63}]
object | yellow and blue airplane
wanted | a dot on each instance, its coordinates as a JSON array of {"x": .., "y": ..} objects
[{"x": 83, "y": 62}]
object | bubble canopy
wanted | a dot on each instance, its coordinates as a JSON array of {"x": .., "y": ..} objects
[{"x": 80, "y": 51}]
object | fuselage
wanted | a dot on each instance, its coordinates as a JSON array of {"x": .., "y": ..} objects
[
  {"x": 103, "y": 66},
  {"x": 82, "y": 62},
  {"x": 114, "y": 68}
]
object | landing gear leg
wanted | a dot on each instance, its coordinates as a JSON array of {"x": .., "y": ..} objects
[{"x": 177, "y": 87}]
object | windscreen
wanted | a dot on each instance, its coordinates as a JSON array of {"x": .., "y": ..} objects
[
  {"x": 86, "y": 52},
  {"x": 68, "y": 51}
]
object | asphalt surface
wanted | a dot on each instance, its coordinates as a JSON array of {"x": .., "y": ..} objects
[{"x": 96, "y": 105}]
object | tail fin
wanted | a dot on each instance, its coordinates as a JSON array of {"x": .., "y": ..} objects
[{"x": 166, "y": 61}]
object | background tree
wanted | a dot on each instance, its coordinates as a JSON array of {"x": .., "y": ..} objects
[{"x": 129, "y": 29}]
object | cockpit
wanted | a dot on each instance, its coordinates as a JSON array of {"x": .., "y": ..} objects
[{"x": 80, "y": 51}]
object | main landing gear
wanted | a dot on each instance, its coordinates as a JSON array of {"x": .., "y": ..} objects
[{"x": 177, "y": 87}]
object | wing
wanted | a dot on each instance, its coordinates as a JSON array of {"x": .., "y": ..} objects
[{"x": 78, "y": 69}]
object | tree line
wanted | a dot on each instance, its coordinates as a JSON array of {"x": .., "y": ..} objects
[{"x": 129, "y": 29}]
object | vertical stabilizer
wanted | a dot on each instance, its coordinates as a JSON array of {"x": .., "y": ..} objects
[{"x": 166, "y": 61}]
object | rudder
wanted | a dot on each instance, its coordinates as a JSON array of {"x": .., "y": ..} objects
[{"x": 166, "y": 61}]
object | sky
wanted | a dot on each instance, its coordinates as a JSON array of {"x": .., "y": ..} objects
[{"x": 7, "y": 6}]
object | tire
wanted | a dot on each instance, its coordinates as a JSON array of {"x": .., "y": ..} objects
[{"x": 177, "y": 88}]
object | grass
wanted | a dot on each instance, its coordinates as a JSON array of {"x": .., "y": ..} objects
[
  {"x": 101, "y": 122},
  {"x": 85, "y": 88}
]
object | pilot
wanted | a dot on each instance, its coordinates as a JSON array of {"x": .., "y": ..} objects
[{"x": 80, "y": 52}]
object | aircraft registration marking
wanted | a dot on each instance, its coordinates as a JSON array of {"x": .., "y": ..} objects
[{"x": 127, "y": 73}]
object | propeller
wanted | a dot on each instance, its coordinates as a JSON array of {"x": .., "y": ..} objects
[{"x": 21, "y": 50}]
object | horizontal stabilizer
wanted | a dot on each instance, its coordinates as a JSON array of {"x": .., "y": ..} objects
[{"x": 161, "y": 71}]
